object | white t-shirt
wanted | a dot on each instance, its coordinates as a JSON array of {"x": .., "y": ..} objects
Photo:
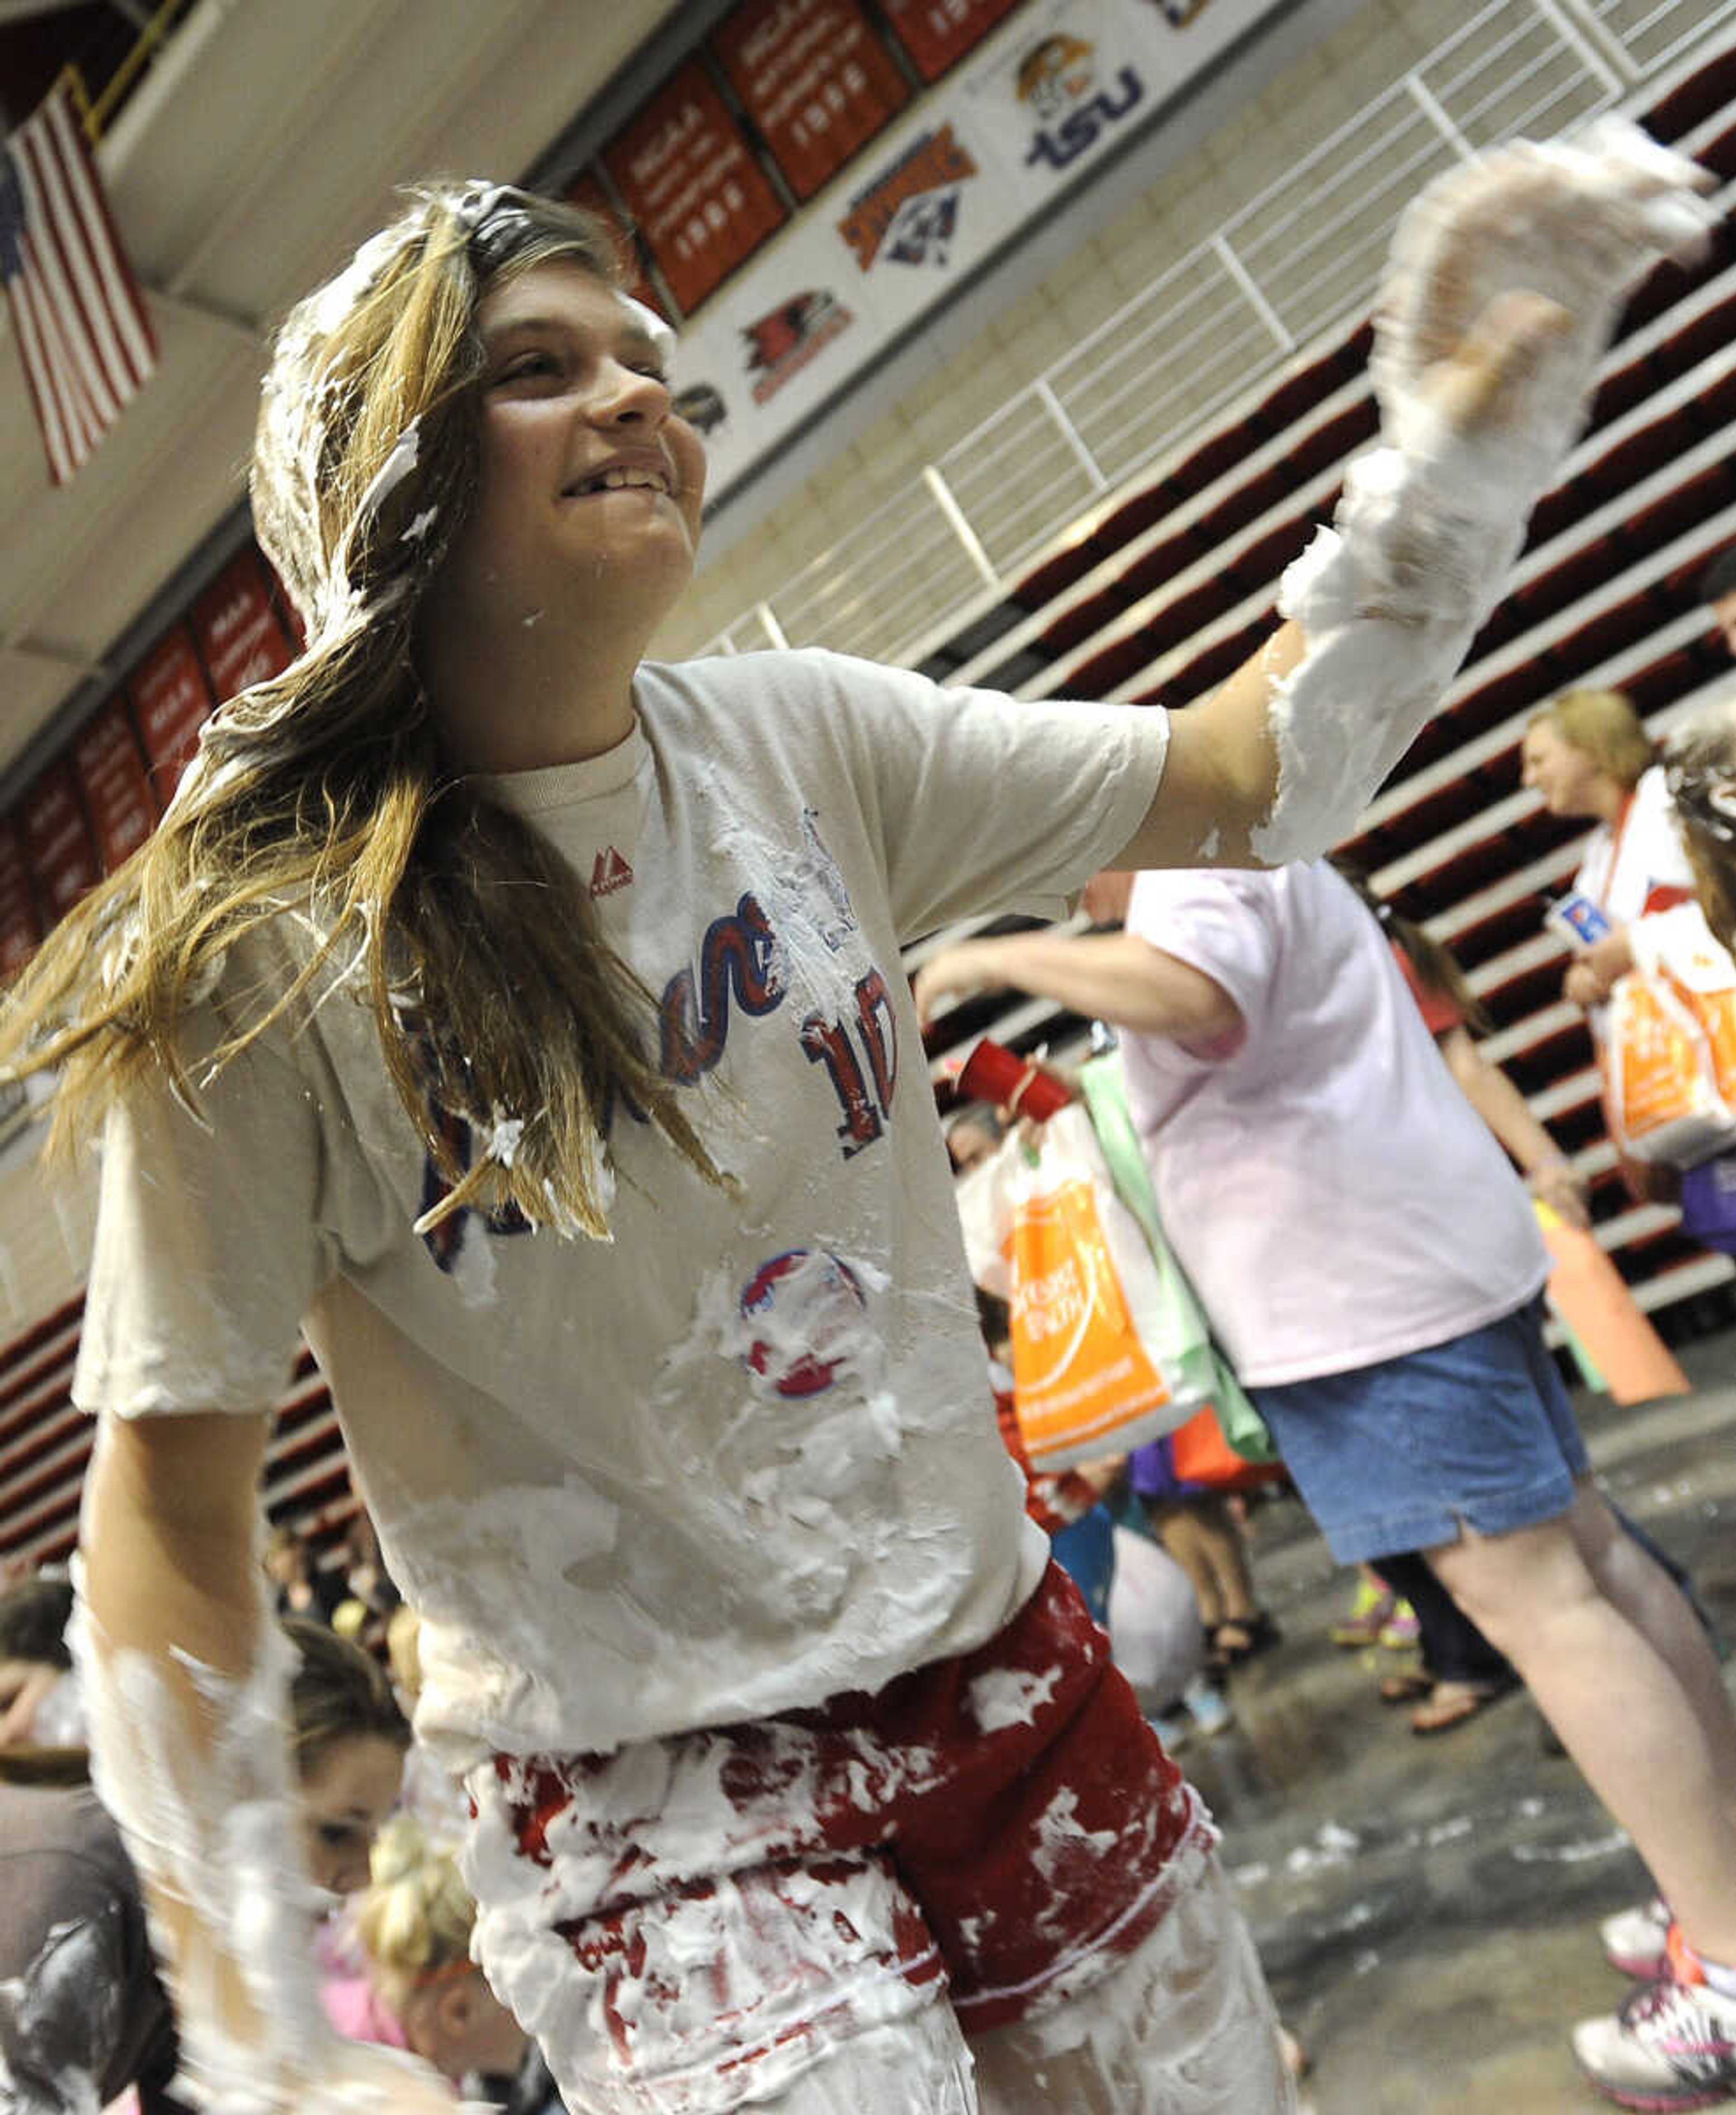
[
  {"x": 1623, "y": 868},
  {"x": 1325, "y": 1183},
  {"x": 745, "y": 1456}
]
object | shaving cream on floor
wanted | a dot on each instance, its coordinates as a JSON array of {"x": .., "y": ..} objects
[{"x": 1390, "y": 598}]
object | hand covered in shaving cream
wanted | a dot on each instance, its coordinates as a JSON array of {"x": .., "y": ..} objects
[
  {"x": 1573, "y": 225},
  {"x": 1503, "y": 288},
  {"x": 1503, "y": 284}
]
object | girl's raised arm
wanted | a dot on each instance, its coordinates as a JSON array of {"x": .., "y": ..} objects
[{"x": 1504, "y": 284}]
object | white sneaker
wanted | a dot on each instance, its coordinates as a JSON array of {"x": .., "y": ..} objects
[
  {"x": 1208, "y": 1706},
  {"x": 1672, "y": 2045},
  {"x": 1634, "y": 1939}
]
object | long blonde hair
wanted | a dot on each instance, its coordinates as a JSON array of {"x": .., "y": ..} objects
[{"x": 322, "y": 793}]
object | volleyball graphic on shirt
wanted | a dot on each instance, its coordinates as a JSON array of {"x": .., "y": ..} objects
[{"x": 806, "y": 1308}]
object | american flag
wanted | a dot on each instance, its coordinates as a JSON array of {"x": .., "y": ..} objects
[{"x": 77, "y": 313}]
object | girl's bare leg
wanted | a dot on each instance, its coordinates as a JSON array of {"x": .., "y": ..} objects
[
  {"x": 1184, "y": 2026},
  {"x": 1619, "y": 1667},
  {"x": 1653, "y": 1601}
]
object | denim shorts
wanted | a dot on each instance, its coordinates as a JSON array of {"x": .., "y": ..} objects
[{"x": 1395, "y": 1457}]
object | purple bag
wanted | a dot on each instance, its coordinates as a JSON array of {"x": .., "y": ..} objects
[
  {"x": 1152, "y": 1471},
  {"x": 1709, "y": 1204}
]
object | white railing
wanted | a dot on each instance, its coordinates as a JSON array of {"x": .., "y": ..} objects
[{"x": 1299, "y": 259}]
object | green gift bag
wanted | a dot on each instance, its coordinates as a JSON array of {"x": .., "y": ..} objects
[{"x": 1106, "y": 1096}]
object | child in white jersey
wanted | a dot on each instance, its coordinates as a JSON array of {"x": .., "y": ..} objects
[{"x": 800, "y": 1778}]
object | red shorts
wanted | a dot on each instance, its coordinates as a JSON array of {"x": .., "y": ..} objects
[{"x": 995, "y": 1826}]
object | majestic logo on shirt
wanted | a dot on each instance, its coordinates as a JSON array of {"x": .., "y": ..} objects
[
  {"x": 806, "y": 1307},
  {"x": 609, "y": 872}
]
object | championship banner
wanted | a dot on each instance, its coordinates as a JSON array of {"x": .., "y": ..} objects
[
  {"x": 814, "y": 78},
  {"x": 241, "y": 640},
  {"x": 948, "y": 186},
  {"x": 58, "y": 847},
  {"x": 118, "y": 794},
  {"x": 938, "y": 33},
  {"x": 586, "y": 192},
  {"x": 171, "y": 702},
  {"x": 685, "y": 172},
  {"x": 21, "y": 927}
]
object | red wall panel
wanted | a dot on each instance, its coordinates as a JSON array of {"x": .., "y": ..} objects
[
  {"x": 58, "y": 847},
  {"x": 937, "y": 32},
  {"x": 171, "y": 701},
  {"x": 240, "y": 636}
]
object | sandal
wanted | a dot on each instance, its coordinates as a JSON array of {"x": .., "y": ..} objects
[
  {"x": 1239, "y": 1637},
  {"x": 1452, "y": 1703},
  {"x": 1410, "y": 1687}
]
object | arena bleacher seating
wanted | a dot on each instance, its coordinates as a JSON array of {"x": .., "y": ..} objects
[
  {"x": 1164, "y": 589},
  {"x": 1155, "y": 594}
]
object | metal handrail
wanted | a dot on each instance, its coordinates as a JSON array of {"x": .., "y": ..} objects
[{"x": 94, "y": 116}]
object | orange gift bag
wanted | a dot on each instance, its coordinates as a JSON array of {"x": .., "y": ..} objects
[
  {"x": 1592, "y": 1299},
  {"x": 1670, "y": 1054},
  {"x": 1101, "y": 1336}
]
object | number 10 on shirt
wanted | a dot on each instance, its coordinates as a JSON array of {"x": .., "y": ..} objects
[{"x": 864, "y": 1090}]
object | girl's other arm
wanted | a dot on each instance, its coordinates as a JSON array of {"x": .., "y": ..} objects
[{"x": 185, "y": 1682}]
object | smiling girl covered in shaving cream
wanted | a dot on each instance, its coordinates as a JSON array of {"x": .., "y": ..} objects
[{"x": 523, "y": 1021}]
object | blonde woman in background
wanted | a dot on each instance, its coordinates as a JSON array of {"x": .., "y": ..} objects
[{"x": 1589, "y": 754}]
